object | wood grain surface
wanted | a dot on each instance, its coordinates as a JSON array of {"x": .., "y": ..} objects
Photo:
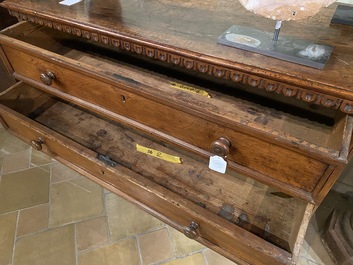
[
  {"x": 185, "y": 34},
  {"x": 173, "y": 202}
]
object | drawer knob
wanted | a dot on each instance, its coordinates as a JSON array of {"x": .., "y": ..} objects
[
  {"x": 37, "y": 144},
  {"x": 191, "y": 230},
  {"x": 47, "y": 78},
  {"x": 220, "y": 147}
]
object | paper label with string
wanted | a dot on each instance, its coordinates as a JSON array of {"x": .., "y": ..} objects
[
  {"x": 69, "y": 2},
  {"x": 218, "y": 164}
]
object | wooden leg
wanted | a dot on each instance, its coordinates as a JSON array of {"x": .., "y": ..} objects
[{"x": 338, "y": 236}]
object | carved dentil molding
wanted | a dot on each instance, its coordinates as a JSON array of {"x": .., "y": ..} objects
[{"x": 199, "y": 65}]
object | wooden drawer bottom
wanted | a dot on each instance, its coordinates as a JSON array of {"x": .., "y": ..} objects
[
  {"x": 232, "y": 214},
  {"x": 290, "y": 147}
]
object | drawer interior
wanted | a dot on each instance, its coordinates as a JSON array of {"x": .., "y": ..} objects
[
  {"x": 241, "y": 201},
  {"x": 285, "y": 118}
]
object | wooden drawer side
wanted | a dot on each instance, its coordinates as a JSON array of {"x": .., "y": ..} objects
[
  {"x": 179, "y": 210},
  {"x": 158, "y": 81},
  {"x": 270, "y": 160}
]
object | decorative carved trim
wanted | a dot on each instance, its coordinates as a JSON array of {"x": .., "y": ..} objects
[{"x": 195, "y": 64}]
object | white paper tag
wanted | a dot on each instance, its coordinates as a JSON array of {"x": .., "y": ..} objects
[
  {"x": 69, "y": 2},
  {"x": 217, "y": 163}
]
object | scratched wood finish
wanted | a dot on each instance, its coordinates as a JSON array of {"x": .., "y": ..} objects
[
  {"x": 290, "y": 129},
  {"x": 290, "y": 168},
  {"x": 185, "y": 34},
  {"x": 173, "y": 114},
  {"x": 187, "y": 127},
  {"x": 174, "y": 202},
  {"x": 264, "y": 213}
]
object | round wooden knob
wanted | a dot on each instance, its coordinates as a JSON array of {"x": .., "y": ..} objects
[
  {"x": 220, "y": 147},
  {"x": 37, "y": 144},
  {"x": 47, "y": 78},
  {"x": 191, "y": 230}
]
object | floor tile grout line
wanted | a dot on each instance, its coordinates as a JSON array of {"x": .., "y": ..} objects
[
  {"x": 191, "y": 253},
  {"x": 15, "y": 153},
  {"x": 23, "y": 209},
  {"x": 135, "y": 236},
  {"x": 106, "y": 216},
  {"x": 2, "y": 165},
  {"x": 30, "y": 157},
  {"x": 32, "y": 165},
  {"x": 69, "y": 179},
  {"x": 155, "y": 229},
  {"x": 139, "y": 250},
  {"x": 171, "y": 240},
  {"x": 73, "y": 222},
  {"x": 63, "y": 181},
  {"x": 23, "y": 169},
  {"x": 50, "y": 192},
  {"x": 44, "y": 230},
  {"x": 180, "y": 257},
  {"x": 93, "y": 248},
  {"x": 175, "y": 256},
  {"x": 204, "y": 256},
  {"x": 15, "y": 238},
  {"x": 19, "y": 170},
  {"x": 163, "y": 261},
  {"x": 75, "y": 243},
  {"x": 148, "y": 232},
  {"x": 138, "y": 235},
  {"x": 31, "y": 234}
]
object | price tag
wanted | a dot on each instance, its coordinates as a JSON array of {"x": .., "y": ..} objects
[
  {"x": 218, "y": 164},
  {"x": 69, "y": 2}
]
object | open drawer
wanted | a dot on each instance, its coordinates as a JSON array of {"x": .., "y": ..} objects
[
  {"x": 280, "y": 147},
  {"x": 232, "y": 214}
]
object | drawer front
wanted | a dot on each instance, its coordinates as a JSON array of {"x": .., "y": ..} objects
[
  {"x": 267, "y": 162},
  {"x": 213, "y": 231}
]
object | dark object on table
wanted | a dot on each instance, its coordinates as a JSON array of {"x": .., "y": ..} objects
[{"x": 343, "y": 15}]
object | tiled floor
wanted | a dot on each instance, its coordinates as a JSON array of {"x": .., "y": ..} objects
[{"x": 51, "y": 215}]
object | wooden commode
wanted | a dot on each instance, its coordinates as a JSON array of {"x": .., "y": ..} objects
[{"x": 138, "y": 95}]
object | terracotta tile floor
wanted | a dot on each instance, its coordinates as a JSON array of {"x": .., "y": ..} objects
[{"x": 51, "y": 215}]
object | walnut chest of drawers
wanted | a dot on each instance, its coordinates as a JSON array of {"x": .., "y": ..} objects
[{"x": 137, "y": 96}]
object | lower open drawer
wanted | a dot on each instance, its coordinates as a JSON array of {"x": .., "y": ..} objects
[{"x": 234, "y": 215}]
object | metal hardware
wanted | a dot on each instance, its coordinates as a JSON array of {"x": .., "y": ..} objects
[
  {"x": 277, "y": 30},
  {"x": 37, "y": 144},
  {"x": 47, "y": 78},
  {"x": 220, "y": 147},
  {"x": 191, "y": 230},
  {"x": 107, "y": 160}
]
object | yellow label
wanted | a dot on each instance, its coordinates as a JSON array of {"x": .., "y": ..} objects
[
  {"x": 190, "y": 89},
  {"x": 158, "y": 154}
]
